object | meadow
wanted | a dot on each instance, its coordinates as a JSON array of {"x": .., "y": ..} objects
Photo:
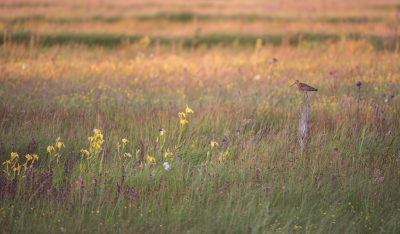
[{"x": 197, "y": 132}]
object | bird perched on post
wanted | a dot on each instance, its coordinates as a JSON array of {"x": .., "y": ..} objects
[{"x": 304, "y": 88}]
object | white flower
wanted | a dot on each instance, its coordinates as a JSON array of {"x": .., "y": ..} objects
[
  {"x": 166, "y": 166},
  {"x": 62, "y": 229},
  {"x": 257, "y": 77},
  {"x": 385, "y": 100},
  {"x": 23, "y": 66}
]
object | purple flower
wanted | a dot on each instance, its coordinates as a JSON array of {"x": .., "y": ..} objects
[
  {"x": 77, "y": 182},
  {"x": 384, "y": 95},
  {"x": 360, "y": 99},
  {"x": 274, "y": 60},
  {"x": 383, "y": 119},
  {"x": 335, "y": 149},
  {"x": 252, "y": 116},
  {"x": 107, "y": 172},
  {"x": 383, "y": 111},
  {"x": 82, "y": 186},
  {"x": 191, "y": 173},
  {"x": 331, "y": 73},
  {"x": 80, "y": 178},
  {"x": 160, "y": 129},
  {"x": 12, "y": 144},
  {"x": 116, "y": 150},
  {"x": 258, "y": 185},
  {"x": 179, "y": 155},
  {"x": 392, "y": 96},
  {"x": 359, "y": 83},
  {"x": 34, "y": 207},
  {"x": 224, "y": 139},
  {"x": 215, "y": 131},
  {"x": 209, "y": 142},
  {"x": 237, "y": 130},
  {"x": 204, "y": 164},
  {"x": 216, "y": 139},
  {"x": 221, "y": 192},
  {"x": 201, "y": 137}
]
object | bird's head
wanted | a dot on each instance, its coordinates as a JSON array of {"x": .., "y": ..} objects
[{"x": 296, "y": 82}]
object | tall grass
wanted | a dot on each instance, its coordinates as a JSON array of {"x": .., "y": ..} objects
[{"x": 255, "y": 179}]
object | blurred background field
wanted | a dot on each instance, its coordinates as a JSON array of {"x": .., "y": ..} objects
[
  {"x": 94, "y": 139},
  {"x": 201, "y": 22}
]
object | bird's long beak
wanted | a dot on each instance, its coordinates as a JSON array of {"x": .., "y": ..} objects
[{"x": 292, "y": 85}]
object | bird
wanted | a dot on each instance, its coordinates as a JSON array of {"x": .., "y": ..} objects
[{"x": 305, "y": 88}]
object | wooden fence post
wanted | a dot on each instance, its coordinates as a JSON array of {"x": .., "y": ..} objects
[{"x": 303, "y": 126}]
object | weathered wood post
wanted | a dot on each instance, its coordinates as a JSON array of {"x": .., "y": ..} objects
[{"x": 303, "y": 126}]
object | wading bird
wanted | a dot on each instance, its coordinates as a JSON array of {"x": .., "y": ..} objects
[{"x": 304, "y": 88}]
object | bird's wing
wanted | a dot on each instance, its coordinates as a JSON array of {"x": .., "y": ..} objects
[{"x": 305, "y": 87}]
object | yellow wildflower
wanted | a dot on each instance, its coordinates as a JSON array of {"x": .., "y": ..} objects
[
  {"x": 150, "y": 159},
  {"x": 128, "y": 155},
  {"x": 188, "y": 110},
  {"x": 28, "y": 157},
  {"x": 50, "y": 148},
  {"x": 184, "y": 121},
  {"x": 60, "y": 144},
  {"x": 182, "y": 115},
  {"x": 35, "y": 157},
  {"x": 85, "y": 152},
  {"x": 213, "y": 143},
  {"x": 14, "y": 155},
  {"x": 8, "y": 162},
  {"x": 125, "y": 141}
]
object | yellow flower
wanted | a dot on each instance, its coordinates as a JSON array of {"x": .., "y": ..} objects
[
  {"x": 125, "y": 140},
  {"x": 50, "y": 148},
  {"x": 128, "y": 155},
  {"x": 90, "y": 139},
  {"x": 60, "y": 144},
  {"x": 162, "y": 132},
  {"x": 166, "y": 154},
  {"x": 35, "y": 157},
  {"x": 16, "y": 168},
  {"x": 96, "y": 131},
  {"x": 213, "y": 143},
  {"x": 188, "y": 110},
  {"x": 8, "y": 162},
  {"x": 14, "y": 155},
  {"x": 182, "y": 115},
  {"x": 85, "y": 152},
  {"x": 184, "y": 121},
  {"x": 150, "y": 159},
  {"x": 28, "y": 157}
]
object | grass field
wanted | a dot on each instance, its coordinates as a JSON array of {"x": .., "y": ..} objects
[{"x": 178, "y": 117}]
